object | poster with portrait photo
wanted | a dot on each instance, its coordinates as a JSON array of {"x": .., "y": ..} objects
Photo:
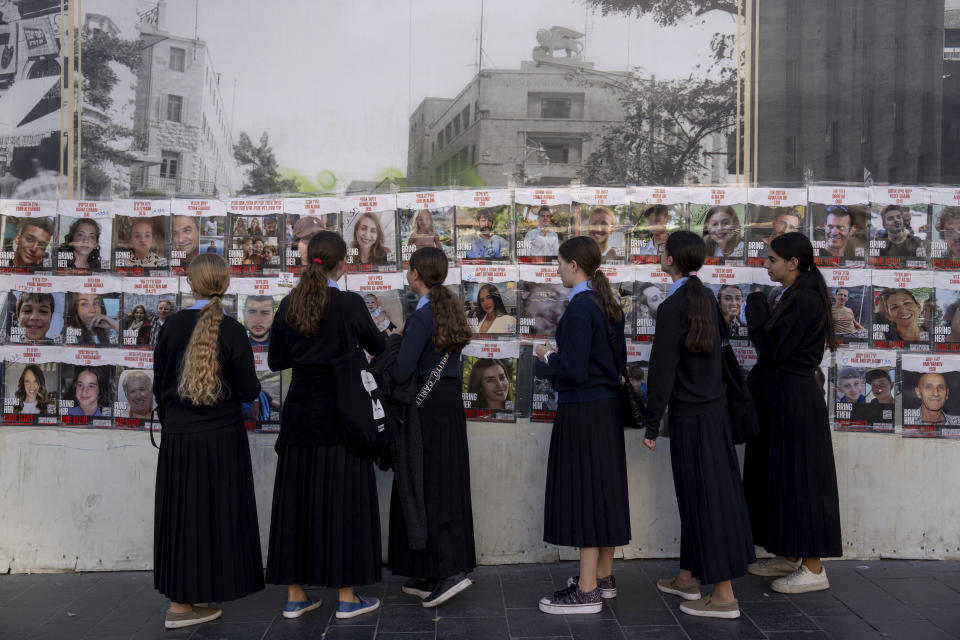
[
  {"x": 263, "y": 414},
  {"x": 134, "y": 406},
  {"x": 717, "y": 214},
  {"x": 839, "y": 218},
  {"x": 140, "y": 232},
  {"x": 27, "y": 235},
  {"x": 946, "y": 320},
  {"x": 851, "y": 305},
  {"x": 899, "y": 227},
  {"x": 602, "y": 214},
  {"x": 147, "y": 303},
  {"x": 490, "y": 299},
  {"x": 256, "y": 226},
  {"x": 622, "y": 279},
  {"x": 303, "y": 218},
  {"x": 196, "y": 226},
  {"x": 543, "y": 223},
  {"x": 655, "y": 213},
  {"x": 31, "y": 385},
  {"x": 903, "y": 308},
  {"x": 426, "y": 219},
  {"x": 543, "y": 397},
  {"x": 35, "y": 318},
  {"x": 255, "y": 312},
  {"x": 484, "y": 226},
  {"x": 84, "y": 237},
  {"x": 650, "y": 290},
  {"x": 490, "y": 380},
  {"x": 93, "y": 319},
  {"x": 945, "y": 227},
  {"x": 543, "y": 299},
  {"x": 88, "y": 385},
  {"x": 638, "y": 366},
  {"x": 772, "y": 212},
  {"x": 370, "y": 231},
  {"x": 931, "y": 395},
  {"x": 383, "y": 296},
  {"x": 866, "y": 386},
  {"x": 730, "y": 286}
]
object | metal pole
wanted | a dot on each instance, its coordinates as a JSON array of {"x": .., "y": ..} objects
[
  {"x": 81, "y": 192},
  {"x": 756, "y": 92},
  {"x": 738, "y": 147},
  {"x": 748, "y": 98}
]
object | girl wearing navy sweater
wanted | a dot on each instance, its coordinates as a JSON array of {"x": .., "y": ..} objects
[{"x": 586, "y": 496}]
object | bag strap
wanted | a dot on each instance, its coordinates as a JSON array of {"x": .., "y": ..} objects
[
  {"x": 432, "y": 379},
  {"x": 152, "y": 441},
  {"x": 595, "y": 298}
]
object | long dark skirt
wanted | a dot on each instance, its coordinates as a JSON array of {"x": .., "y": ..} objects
[
  {"x": 446, "y": 479},
  {"x": 206, "y": 541},
  {"x": 586, "y": 501},
  {"x": 715, "y": 539},
  {"x": 325, "y": 525},
  {"x": 789, "y": 474}
]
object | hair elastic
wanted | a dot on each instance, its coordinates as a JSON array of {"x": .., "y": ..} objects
[
  {"x": 318, "y": 260},
  {"x": 692, "y": 273}
]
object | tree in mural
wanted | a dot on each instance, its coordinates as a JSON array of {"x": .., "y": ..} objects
[{"x": 263, "y": 171}]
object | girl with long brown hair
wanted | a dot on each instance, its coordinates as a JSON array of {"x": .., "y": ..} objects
[
  {"x": 206, "y": 541},
  {"x": 369, "y": 240},
  {"x": 325, "y": 526},
  {"x": 31, "y": 394},
  {"x": 86, "y": 313},
  {"x": 434, "y": 334},
  {"x": 586, "y": 496}
]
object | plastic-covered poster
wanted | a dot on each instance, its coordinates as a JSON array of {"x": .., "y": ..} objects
[
  {"x": 638, "y": 366},
  {"x": 839, "y": 218},
  {"x": 304, "y": 217},
  {"x": 263, "y": 414},
  {"x": 899, "y": 227},
  {"x": 196, "y": 226},
  {"x": 717, "y": 213},
  {"x": 382, "y": 294},
  {"x": 484, "y": 226},
  {"x": 31, "y": 385},
  {"x": 866, "y": 387},
  {"x": 602, "y": 214},
  {"x": 35, "y": 310},
  {"x": 543, "y": 223},
  {"x": 490, "y": 380},
  {"x": 88, "y": 384},
  {"x": 27, "y": 229},
  {"x": 140, "y": 232},
  {"x": 370, "y": 231},
  {"x": 772, "y": 212},
  {"x": 134, "y": 405},
  {"x": 946, "y": 320},
  {"x": 543, "y": 299},
  {"x": 902, "y": 309},
  {"x": 931, "y": 395},
  {"x": 490, "y": 298},
  {"x": 651, "y": 289},
  {"x": 85, "y": 236},
  {"x": 426, "y": 220},
  {"x": 255, "y": 312},
  {"x": 655, "y": 213},
  {"x": 730, "y": 286},
  {"x": 622, "y": 279},
  {"x": 851, "y": 305},
  {"x": 93, "y": 312},
  {"x": 543, "y": 398},
  {"x": 255, "y": 230},
  {"x": 147, "y": 303},
  {"x": 945, "y": 224}
]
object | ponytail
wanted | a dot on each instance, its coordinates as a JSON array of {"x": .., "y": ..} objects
[
  {"x": 796, "y": 245},
  {"x": 451, "y": 330},
  {"x": 600, "y": 284},
  {"x": 200, "y": 377},
  {"x": 308, "y": 300},
  {"x": 689, "y": 253}
]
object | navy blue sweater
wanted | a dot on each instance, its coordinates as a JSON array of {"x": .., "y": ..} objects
[
  {"x": 418, "y": 351},
  {"x": 583, "y": 369}
]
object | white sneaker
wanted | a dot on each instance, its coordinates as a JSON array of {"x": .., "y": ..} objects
[
  {"x": 801, "y": 581},
  {"x": 773, "y": 567}
]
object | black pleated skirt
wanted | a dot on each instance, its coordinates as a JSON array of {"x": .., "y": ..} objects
[
  {"x": 325, "y": 524},
  {"x": 715, "y": 539},
  {"x": 206, "y": 541},
  {"x": 446, "y": 480},
  {"x": 586, "y": 502}
]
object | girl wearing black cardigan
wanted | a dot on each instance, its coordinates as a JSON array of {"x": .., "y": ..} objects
[
  {"x": 206, "y": 541},
  {"x": 325, "y": 525},
  {"x": 685, "y": 374},
  {"x": 586, "y": 496}
]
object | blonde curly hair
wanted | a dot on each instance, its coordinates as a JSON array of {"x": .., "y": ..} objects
[{"x": 200, "y": 380}]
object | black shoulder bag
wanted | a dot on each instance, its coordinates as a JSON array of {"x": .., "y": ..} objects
[
  {"x": 631, "y": 402},
  {"x": 744, "y": 423}
]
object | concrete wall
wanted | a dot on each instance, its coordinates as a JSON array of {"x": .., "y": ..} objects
[{"x": 73, "y": 499}]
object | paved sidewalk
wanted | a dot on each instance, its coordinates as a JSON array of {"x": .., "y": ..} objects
[{"x": 911, "y": 600}]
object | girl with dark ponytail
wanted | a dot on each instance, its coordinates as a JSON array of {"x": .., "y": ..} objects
[
  {"x": 438, "y": 329},
  {"x": 325, "y": 525},
  {"x": 788, "y": 471},
  {"x": 686, "y": 376},
  {"x": 586, "y": 496}
]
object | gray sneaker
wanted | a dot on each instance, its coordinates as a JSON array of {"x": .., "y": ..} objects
[
  {"x": 196, "y": 615},
  {"x": 607, "y": 586},
  {"x": 572, "y": 600}
]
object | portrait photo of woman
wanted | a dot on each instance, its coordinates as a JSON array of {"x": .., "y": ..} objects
[
  {"x": 491, "y": 315},
  {"x": 731, "y": 299},
  {"x": 490, "y": 381},
  {"x": 87, "y": 320},
  {"x": 903, "y": 311},
  {"x": 369, "y": 241},
  {"x": 31, "y": 393},
  {"x": 80, "y": 248},
  {"x": 90, "y": 391},
  {"x": 137, "y": 326},
  {"x": 722, "y": 233},
  {"x": 136, "y": 392}
]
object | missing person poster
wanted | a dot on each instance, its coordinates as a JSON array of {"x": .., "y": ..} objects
[
  {"x": 945, "y": 219},
  {"x": 717, "y": 213},
  {"x": 256, "y": 306},
  {"x": 484, "y": 226},
  {"x": 543, "y": 398},
  {"x": 638, "y": 366},
  {"x": 622, "y": 279},
  {"x": 35, "y": 309},
  {"x": 650, "y": 290},
  {"x": 147, "y": 303},
  {"x": 92, "y": 316},
  {"x": 197, "y": 226},
  {"x": 490, "y": 380},
  {"x": 31, "y": 385},
  {"x": 490, "y": 299},
  {"x": 851, "y": 305},
  {"x": 601, "y": 213},
  {"x": 263, "y": 414},
  {"x": 543, "y": 298},
  {"x": 931, "y": 395},
  {"x": 28, "y": 228},
  {"x": 946, "y": 320},
  {"x": 839, "y": 218},
  {"x": 84, "y": 237},
  {"x": 370, "y": 231},
  {"x": 655, "y": 213},
  {"x": 426, "y": 220},
  {"x": 772, "y": 212},
  {"x": 899, "y": 227},
  {"x": 382, "y": 293},
  {"x": 303, "y": 218},
  {"x": 255, "y": 231},
  {"x": 902, "y": 309},
  {"x": 730, "y": 286},
  {"x": 866, "y": 387},
  {"x": 140, "y": 232},
  {"x": 87, "y": 378},
  {"x": 543, "y": 223},
  {"x": 134, "y": 405}
]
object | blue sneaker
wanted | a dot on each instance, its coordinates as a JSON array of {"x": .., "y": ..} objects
[
  {"x": 296, "y": 609},
  {"x": 352, "y": 609}
]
